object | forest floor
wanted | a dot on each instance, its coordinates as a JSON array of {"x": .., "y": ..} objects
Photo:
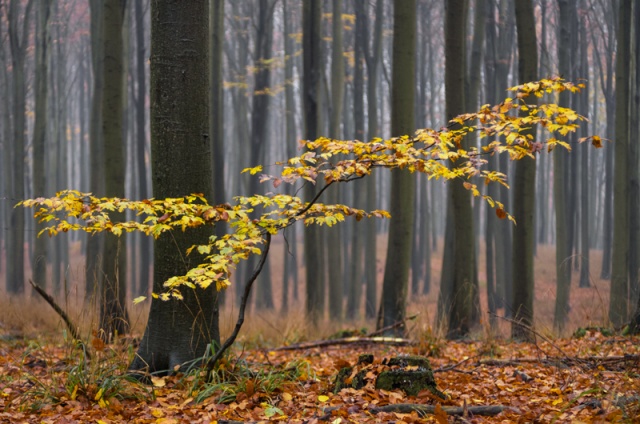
[
  {"x": 589, "y": 379},
  {"x": 590, "y": 375}
]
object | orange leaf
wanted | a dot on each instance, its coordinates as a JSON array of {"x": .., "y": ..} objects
[
  {"x": 441, "y": 415},
  {"x": 500, "y": 213}
]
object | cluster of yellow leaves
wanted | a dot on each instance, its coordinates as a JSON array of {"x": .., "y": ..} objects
[{"x": 428, "y": 151}]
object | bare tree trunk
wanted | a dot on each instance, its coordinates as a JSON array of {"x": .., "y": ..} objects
[
  {"x": 179, "y": 331},
  {"x": 93, "y": 266},
  {"x": 334, "y": 234},
  {"x": 619, "y": 297},
  {"x": 18, "y": 25},
  {"x": 312, "y": 35},
  {"x": 396, "y": 272},
  {"x": 113, "y": 315},
  {"x": 524, "y": 187},
  {"x": 39, "y": 260}
]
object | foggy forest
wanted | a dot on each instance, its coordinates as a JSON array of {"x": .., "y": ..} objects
[{"x": 147, "y": 99}]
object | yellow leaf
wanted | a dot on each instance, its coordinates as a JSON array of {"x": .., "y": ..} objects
[
  {"x": 287, "y": 397},
  {"x": 323, "y": 398},
  {"x": 99, "y": 394},
  {"x": 254, "y": 170},
  {"x": 158, "y": 381},
  {"x": 139, "y": 299},
  {"x": 157, "y": 412}
]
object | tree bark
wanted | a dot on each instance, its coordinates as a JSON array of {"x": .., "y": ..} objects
[
  {"x": 396, "y": 272},
  {"x": 39, "y": 260},
  {"x": 619, "y": 296},
  {"x": 113, "y": 315},
  {"x": 524, "y": 186},
  {"x": 179, "y": 330},
  {"x": 312, "y": 68}
]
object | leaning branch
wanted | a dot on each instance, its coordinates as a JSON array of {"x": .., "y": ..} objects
[{"x": 51, "y": 301}]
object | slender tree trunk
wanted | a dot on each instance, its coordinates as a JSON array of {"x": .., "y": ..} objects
[
  {"x": 563, "y": 269},
  {"x": 334, "y": 234},
  {"x": 619, "y": 296},
  {"x": 39, "y": 260},
  {"x": 373, "y": 73},
  {"x": 259, "y": 125},
  {"x": 216, "y": 125},
  {"x": 357, "y": 247},
  {"x": 290, "y": 264},
  {"x": 462, "y": 293},
  {"x": 524, "y": 187},
  {"x": 146, "y": 246},
  {"x": 585, "y": 184},
  {"x": 396, "y": 272},
  {"x": 93, "y": 266},
  {"x": 312, "y": 68},
  {"x": 113, "y": 315},
  {"x": 18, "y": 42}
]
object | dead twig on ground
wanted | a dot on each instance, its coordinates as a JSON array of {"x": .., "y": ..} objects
[
  {"x": 393, "y": 341},
  {"x": 423, "y": 410},
  {"x": 392, "y": 326}
]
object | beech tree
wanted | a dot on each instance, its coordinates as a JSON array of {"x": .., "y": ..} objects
[
  {"x": 180, "y": 330},
  {"x": 524, "y": 187},
  {"x": 396, "y": 271}
]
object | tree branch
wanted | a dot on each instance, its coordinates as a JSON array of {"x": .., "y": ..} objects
[
  {"x": 243, "y": 304},
  {"x": 51, "y": 301}
]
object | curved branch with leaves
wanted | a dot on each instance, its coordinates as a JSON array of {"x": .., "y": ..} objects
[{"x": 325, "y": 161}]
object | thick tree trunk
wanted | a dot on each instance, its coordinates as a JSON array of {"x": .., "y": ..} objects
[{"x": 179, "y": 330}]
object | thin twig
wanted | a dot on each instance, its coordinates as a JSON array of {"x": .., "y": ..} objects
[
  {"x": 392, "y": 326},
  {"x": 243, "y": 304},
  {"x": 51, "y": 301},
  {"x": 529, "y": 328},
  {"x": 348, "y": 341},
  {"x": 456, "y": 365}
]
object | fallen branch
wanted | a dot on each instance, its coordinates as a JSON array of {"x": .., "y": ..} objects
[
  {"x": 72, "y": 329},
  {"x": 424, "y": 410},
  {"x": 590, "y": 361},
  {"x": 392, "y": 341},
  {"x": 456, "y": 365},
  {"x": 392, "y": 326}
]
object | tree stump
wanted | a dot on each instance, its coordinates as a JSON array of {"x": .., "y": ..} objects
[{"x": 411, "y": 374}]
